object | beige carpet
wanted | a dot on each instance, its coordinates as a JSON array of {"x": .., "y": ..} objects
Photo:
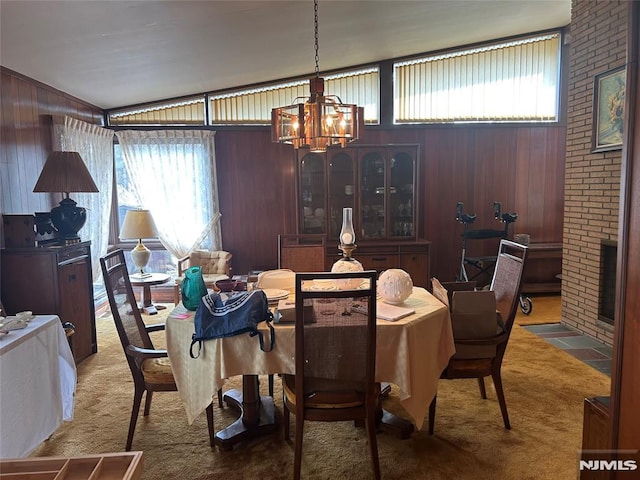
[{"x": 544, "y": 388}]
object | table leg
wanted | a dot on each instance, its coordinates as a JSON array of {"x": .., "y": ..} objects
[
  {"x": 395, "y": 425},
  {"x": 146, "y": 296},
  {"x": 257, "y": 414},
  {"x": 146, "y": 305},
  {"x": 387, "y": 421}
]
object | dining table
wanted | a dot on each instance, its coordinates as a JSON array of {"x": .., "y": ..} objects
[
  {"x": 411, "y": 353},
  {"x": 38, "y": 376}
]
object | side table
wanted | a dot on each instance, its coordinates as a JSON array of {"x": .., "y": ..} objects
[{"x": 146, "y": 305}]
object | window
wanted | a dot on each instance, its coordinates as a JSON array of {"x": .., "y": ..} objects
[
  {"x": 172, "y": 173},
  {"x": 161, "y": 260},
  {"x": 253, "y": 106},
  {"x": 515, "y": 81},
  {"x": 177, "y": 112}
]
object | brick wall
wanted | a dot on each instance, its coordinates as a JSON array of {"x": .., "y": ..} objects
[{"x": 592, "y": 180}]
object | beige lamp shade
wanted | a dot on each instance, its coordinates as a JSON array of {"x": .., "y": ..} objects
[{"x": 138, "y": 224}]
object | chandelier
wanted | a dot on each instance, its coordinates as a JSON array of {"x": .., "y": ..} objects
[{"x": 319, "y": 122}]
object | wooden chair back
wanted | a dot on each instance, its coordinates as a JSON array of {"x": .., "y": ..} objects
[
  {"x": 124, "y": 308},
  {"x": 122, "y": 300},
  {"x": 302, "y": 253},
  {"x": 335, "y": 335},
  {"x": 507, "y": 284}
]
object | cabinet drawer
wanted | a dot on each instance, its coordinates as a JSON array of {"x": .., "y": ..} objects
[
  {"x": 73, "y": 254},
  {"x": 378, "y": 262}
]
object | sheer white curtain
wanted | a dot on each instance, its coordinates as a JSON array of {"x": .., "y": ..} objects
[
  {"x": 95, "y": 146},
  {"x": 172, "y": 173}
]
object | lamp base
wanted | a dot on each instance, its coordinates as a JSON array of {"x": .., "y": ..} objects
[
  {"x": 68, "y": 219},
  {"x": 347, "y": 250},
  {"x": 140, "y": 256}
]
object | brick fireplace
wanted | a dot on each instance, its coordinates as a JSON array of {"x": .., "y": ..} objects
[{"x": 592, "y": 180}]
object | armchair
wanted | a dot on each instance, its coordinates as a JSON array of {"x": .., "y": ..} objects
[
  {"x": 480, "y": 355},
  {"x": 216, "y": 265}
]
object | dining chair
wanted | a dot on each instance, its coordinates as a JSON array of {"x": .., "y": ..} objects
[
  {"x": 506, "y": 285},
  {"x": 150, "y": 367},
  {"x": 302, "y": 253},
  {"x": 216, "y": 265},
  {"x": 335, "y": 354}
]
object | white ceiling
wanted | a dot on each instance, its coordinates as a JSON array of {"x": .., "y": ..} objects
[{"x": 114, "y": 53}]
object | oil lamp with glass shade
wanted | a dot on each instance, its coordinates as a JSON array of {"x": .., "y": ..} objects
[{"x": 348, "y": 244}]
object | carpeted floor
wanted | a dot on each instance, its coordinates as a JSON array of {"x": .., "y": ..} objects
[
  {"x": 546, "y": 309},
  {"x": 544, "y": 389}
]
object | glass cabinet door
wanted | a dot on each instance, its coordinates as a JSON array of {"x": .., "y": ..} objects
[
  {"x": 401, "y": 193},
  {"x": 373, "y": 193},
  {"x": 312, "y": 194},
  {"x": 341, "y": 189}
]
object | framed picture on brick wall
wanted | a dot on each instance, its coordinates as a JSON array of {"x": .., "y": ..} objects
[{"x": 608, "y": 109}]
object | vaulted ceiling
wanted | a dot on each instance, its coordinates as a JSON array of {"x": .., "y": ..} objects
[{"x": 114, "y": 53}]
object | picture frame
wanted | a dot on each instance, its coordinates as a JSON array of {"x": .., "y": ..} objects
[{"x": 608, "y": 109}]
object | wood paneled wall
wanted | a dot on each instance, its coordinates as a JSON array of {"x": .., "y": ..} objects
[
  {"x": 521, "y": 166},
  {"x": 25, "y": 131}
]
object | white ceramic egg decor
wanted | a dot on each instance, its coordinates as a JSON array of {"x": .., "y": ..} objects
[{"x": 394, "y": 286}]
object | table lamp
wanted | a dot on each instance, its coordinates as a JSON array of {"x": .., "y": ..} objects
[
  {"x": 139, "y": 224},
  {"x": 66, "y": 172}
]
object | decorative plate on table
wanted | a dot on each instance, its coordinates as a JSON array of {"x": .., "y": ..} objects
[{"x": 274, "y": 294}]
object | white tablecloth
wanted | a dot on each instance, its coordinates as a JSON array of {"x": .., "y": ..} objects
[
  {"x": 411, "y": 353},
  {"x": 38, "y": 379}
]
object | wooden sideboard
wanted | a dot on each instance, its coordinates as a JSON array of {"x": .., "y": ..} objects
[
  {"x": 411, "y": 256},
  {"x": 596, "y": 435},
  {"x": 53, "y": 280},
  {"x": 542, "y": 268}
]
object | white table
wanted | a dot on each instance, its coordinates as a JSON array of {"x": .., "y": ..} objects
[
  {"x": 38, "y": 379},
  {"x": 410, "y": 353}
]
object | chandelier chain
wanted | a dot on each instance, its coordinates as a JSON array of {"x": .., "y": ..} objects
[{"x": 315, "y": 25}]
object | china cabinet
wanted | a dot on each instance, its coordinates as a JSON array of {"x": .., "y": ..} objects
[{"x": 380, "y": 183}]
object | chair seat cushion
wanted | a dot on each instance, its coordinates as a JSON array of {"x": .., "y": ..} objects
[
  {"x": 323, "y": 393},
  {"x": 157, "y": 371}
]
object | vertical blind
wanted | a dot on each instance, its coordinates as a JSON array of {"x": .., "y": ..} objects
[
  {"x": 253, "y": 106},
  {"x": 183, "y": 112},
  {"x": 515, "y": 81}
]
